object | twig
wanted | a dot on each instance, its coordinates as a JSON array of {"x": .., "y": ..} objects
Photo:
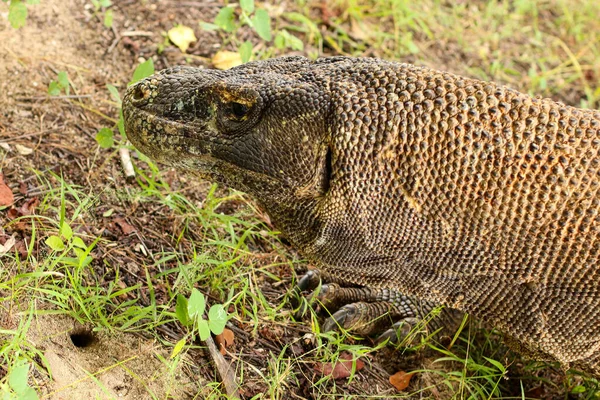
[
  {"x": 93, "y": 110},
  {"x": 126, "y": 163},
  {"x": 75, "y": 67},
  {"x": 114, "y": 44},
  {"x": 72, "y": 96},
  {"x": 225, "y": 370},
  {"x": 137, "y": 33},
  {"x": 12, "y": 139}
]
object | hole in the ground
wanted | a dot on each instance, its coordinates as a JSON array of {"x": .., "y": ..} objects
[{"x": 82, "y": 338}]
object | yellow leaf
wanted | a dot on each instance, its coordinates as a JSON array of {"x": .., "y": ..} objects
[
  {"x": 226, "y": 59},
  {"x": 178, "y": 347},
  {"x": 182, "y": 36},
  {"x": 23, "y": 150}
]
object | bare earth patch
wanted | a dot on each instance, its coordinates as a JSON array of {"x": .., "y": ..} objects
[{"x": 101, "y": 366}]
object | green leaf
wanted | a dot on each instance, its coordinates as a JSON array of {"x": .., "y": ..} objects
[
  {"x": 17, "y": 14},
  {"x": 78, "y": 242},
  {"x": 578, "y": 389},
  {"x": 33, "y": 2},
  {"x": 17, "y": 379},
  {"x": 178, "y": 347},
  {"x": 225, "y": 19},
  {"x": 262, "y": 24},
  {"x": 80, "y": 253},
  {"x": 181, "y": 36},
  {"x": 246, "y": 51},
  {"x": 108, "y": 18},
  {"x": 295, "y": 43},
  {"x": 53, "y": 89},
  {"x": 105, "y": 3},
  {"x": 63, "y": 81},
  {"x": 496, "y": 364},
  {"x": 196, "y": 304},
  {"x": 114, "y": 93},
  {"x": 66, "y": 232},
  {"x": 143, "y": 70},
  {"x": 284, "y": 39},
  {"x": 247, "y": 6},
  {"x": 181, "y": 310},
  {"x": 7, "y": 394},
  {"x": 28, "y": 394},
  {"x": 203, "y": 329},
  {"x": 105, "y": 138},
  {"x": 217, "y": 318},
  {"x": 208, "y": 26},
  {"x": 55, "y": 243}
]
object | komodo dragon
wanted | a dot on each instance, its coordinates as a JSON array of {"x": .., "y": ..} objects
[{"x": 455, "y": 191}]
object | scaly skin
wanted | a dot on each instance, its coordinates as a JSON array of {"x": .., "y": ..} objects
[{"x": 457, "y": 191}]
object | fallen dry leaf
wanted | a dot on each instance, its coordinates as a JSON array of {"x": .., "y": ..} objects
[
  {"x": 21, "y": 248},
  {"x": 360, "y": 30},
  {"x": 23, "y": 188},
  {"x": 6, "y": 195},
  {"x": 12, "y": 213},
  {"x": 124, "y": 225},
  {"x": 226, "y": 59},
  {"x": 5, "y": 248},
  {"x": 400, "y": 380},
  {"x": 28, "y": 208},
  {"x": 224, "y": 340},
  {"x": 23, "y": 150},
  {"x": 341, "y": 369},
  {"x": 182, "y": 36}
]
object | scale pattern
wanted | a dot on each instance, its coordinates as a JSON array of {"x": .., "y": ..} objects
[{"x": 457, "y": 191}]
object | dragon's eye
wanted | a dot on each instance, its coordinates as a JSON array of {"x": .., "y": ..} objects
[{"x": 238, "y": 110}]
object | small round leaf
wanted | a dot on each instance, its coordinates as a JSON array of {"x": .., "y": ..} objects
[
  {"x": 217, "y": 318},
  {"x": 196, "y": 304}
]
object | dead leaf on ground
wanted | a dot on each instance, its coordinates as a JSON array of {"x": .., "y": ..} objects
[
  {"x": 6, "y": 195},
  {"x": 23, "y": 188},
  {"x": 360, "y": 30},
  {"x": 28, "y": 208},
  {"x": 124, "y": 225},
  {"x": 182, "y": 36},
  {"x": 23, "y": 150},
  {"x": 341, "y": 369},
  {"x": 226, "y": 59},
  {"x": 536, "y": 393},
  {"x": 224, "y": 340},
  {"x": 400, "y": 380},
  {"x": 5, "y": 248},
  {"x": 21, "y": 248}
]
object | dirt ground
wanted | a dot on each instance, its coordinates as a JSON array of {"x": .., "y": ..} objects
[
  {"x": 65, "y": 35},
  {"x": 41, "y": 133}
]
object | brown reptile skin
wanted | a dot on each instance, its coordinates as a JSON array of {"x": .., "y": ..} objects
[{"x": 457, "y": 191}]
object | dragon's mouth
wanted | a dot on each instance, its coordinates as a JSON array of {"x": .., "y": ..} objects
[{"x": 163, "y": 139}]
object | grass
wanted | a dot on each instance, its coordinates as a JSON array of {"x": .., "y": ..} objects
[{"x": 220, "y": 243}]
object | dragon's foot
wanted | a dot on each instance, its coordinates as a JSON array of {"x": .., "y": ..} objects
[{"x": 393, "y": 316}]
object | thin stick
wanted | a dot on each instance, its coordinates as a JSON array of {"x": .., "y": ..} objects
[
  {"x": 126, "y": 163},
  {"x": 224, "y": 368},
  {"x": 72, "y": 96},
  {"x": 137, "y": 33}
]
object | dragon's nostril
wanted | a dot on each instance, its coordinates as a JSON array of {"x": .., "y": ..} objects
[{"x": 139, "y": 93}]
